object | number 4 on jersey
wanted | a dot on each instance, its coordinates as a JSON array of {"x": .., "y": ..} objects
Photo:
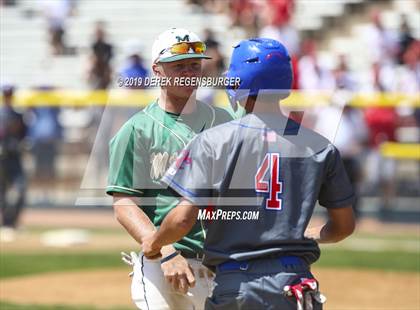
[{"x": 274, "y": 186}]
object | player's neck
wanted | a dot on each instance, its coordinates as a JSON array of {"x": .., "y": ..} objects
[{"x": 177, "y": 105}]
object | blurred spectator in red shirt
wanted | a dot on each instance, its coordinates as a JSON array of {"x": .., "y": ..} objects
[
  {"x": 281, "y": 11},
  {"x": 382, "y": 123},
  {"x": 244, "y": 13},
  {"x": 296, "y": 73},
  {"x": 275, "y": 19}
]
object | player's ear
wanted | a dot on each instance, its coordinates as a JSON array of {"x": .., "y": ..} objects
[{"x": 157, "y": 70}]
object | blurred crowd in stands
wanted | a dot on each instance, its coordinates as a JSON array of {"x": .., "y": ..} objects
[{"x": 395, "y": 67}]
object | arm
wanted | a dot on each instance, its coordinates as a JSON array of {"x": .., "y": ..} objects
[
  {"x": 174, "y": 227},
  {"x": 341, "y": 224},
  {"x": 176, "y": 270},
  {"x": 337, "y": 195},
  {"x": 135, "y": 221}
]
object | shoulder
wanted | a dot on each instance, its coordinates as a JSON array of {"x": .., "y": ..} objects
[
  {"x": 129, "y": 126},
  {"x": 323, "y": 150},
  {"x": 145, "y": 116},
  {"x": 219, "y": 134},
  {"x": 138, "y": 124},
  {"x": 314, "y": 142}
]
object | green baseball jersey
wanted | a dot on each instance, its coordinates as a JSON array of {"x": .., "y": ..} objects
[{"x": 142, "y": 151}]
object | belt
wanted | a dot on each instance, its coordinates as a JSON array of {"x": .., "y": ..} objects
[
  {"x": 198, "y": 255},
  {"x": 285, "y": 261}
]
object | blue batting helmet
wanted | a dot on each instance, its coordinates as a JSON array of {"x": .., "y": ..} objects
[{"x": 263, "y": 66}]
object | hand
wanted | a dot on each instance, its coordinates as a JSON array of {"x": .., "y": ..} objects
[
  {"x": 313, "y": 233},
  {"x": 150, "y": 248},
  {"x": 178, "y": 273}
]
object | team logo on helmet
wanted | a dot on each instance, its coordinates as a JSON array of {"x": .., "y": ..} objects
[{"x": 185, "y": 38}]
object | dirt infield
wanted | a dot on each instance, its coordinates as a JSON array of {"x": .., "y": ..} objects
[
  {"x": 101, "y": 288},
  {"x": 74, "y": 217},
  {"x": 106, "y": 288},
  {"x": 369, "y": 289}
]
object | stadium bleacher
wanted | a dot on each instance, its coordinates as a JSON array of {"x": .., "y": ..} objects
[
  {"x": 26, "y": 59},
  {"x": 23, "y": 29}
]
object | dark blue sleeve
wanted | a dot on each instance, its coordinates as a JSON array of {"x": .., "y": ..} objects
[{"x": 336, "y": 189}]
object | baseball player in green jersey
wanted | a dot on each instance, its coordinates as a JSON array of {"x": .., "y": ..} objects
[{"x": 140, "y": 154}]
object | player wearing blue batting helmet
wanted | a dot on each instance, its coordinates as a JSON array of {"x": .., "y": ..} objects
[
  {"x": 263, "y": 66},
  {"x": 265, "y": 163}
]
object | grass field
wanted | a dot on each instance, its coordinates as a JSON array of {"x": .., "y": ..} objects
[
  {"x": 11, "y": 306},
  {"x": 392, "y": 254},
  {"x": 19, "y": 264}
]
